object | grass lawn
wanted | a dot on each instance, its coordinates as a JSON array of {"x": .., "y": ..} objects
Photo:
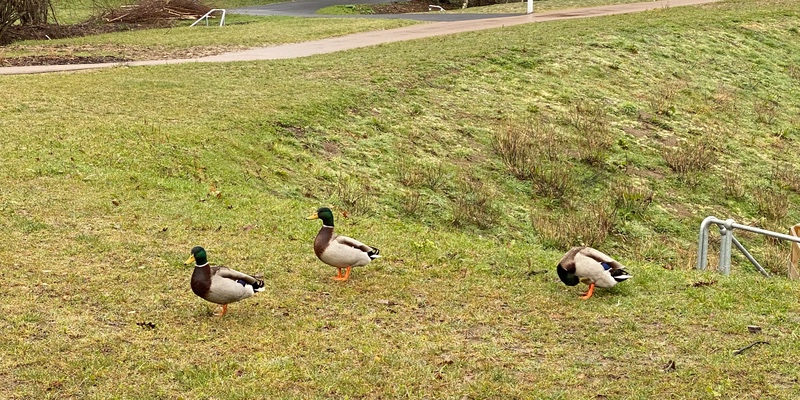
[{"x": 472, "y": 161}]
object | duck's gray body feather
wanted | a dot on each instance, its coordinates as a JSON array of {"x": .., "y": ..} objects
[
  {"x": 588, "y": 265},
  {"x": 342, "y": 251},
  {"x": 222, "y": 285}
]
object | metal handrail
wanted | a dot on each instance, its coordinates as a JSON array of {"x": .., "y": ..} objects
[
  {"x": 727, "y": 240},
  {"x": 208, "y": 14}
]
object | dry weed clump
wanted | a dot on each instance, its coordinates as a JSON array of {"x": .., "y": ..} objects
[
  {"x": 775, "y": 258},
  {"x": 473, "y": 205},
  {"x": 556, "y": 182},
  {"x": 772, "y": 203},
  {"x": 535, "y": 152},
  {"x": 766, "y": 111},
  {"x": 522, "y": 147},
  {"x": 415, "y": 174},
  {"x": 352, "y": 194},
  {"x": 787, "y": 177},
  {"x": 733, "y": 186},
  {"x": 690, "y": 156},
  {"x": 662, "y": 100},
  {"x": 593, "y": 128},
  {"x": 632, "y": 199},
  {"x": 590, "y": 227}
]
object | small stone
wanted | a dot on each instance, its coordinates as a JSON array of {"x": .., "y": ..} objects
[{"x": 753, "y": 328}]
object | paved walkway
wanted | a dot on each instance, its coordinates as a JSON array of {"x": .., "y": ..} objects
[{"x": 364, "y": 39}]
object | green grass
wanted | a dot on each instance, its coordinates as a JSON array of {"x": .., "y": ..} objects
[{"x": 109, "y": 177}]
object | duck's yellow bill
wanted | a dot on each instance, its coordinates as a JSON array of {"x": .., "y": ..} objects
[
  {"x": 312, "y": 216},
  {"x": 190, "y": 260}
]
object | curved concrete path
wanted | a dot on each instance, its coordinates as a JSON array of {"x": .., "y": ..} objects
[{"x": 364, "y": 39}]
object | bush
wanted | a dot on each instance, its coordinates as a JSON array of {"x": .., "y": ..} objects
[{"x": 24, "y": 12}]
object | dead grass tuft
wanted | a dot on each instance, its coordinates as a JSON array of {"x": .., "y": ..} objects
[
  {"x": 474, "y": 205},
  {"x": 786, "y": 176},
  {"x": 589, "y": 227},
  {"x": 690, "y": 156},
  {"x": 592, "y": 126},
  {"x": 772, "y": 203},
  {"x": 631, "y": 199},
  {"x": 766, "y": 111}
]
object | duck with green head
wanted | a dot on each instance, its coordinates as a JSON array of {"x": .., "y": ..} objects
[
  {"x": 592, "y": 267},
  {"x": 219, "y": 284},
  {"x": 338, "y": 251}
]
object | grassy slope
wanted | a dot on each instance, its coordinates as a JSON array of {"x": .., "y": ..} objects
[{"x": 109, "y": 177}]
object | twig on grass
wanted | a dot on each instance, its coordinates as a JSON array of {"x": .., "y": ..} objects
[{"x": 749, "y": 346}]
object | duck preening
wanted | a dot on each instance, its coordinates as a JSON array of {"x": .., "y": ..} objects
[
  {"x": 592, "y": 267},
  {"x": 338, "y": 251},
  {"x": 218, "y": 284}
]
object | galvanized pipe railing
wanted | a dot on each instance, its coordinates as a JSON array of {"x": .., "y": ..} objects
[
  {"x": 727, "y": 240},
  {"x": 207, "y": 15}
]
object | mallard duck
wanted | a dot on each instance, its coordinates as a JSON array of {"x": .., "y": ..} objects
[
  {"x": 219, "y": 284},
  {"x": 592, "y": 267},
  {"x": 341, "y": 252}
]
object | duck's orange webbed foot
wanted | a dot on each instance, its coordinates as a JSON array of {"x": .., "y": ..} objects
[
  {"x": 346, "y": 276},
  {"x": 589, "y": 292},
  {"x": 338, "y": 276},
  {"x": 222, "y": 311}
]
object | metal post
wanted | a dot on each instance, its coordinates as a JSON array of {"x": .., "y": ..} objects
[
  {"x": 725, "y": 241},
  {"x": 702, "y": 243},
  {"x": 530, "y": 6}
]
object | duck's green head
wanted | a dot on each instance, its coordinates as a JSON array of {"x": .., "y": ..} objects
[
  {"x": 567, "y": 277},
  {"x": 325, "y": 214},
  {"x": 198, "y": 256}
]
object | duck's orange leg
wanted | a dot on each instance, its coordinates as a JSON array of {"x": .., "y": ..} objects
[
  {"x": 346, "y": 274},
  {"x": 222, "y": 311},
  {"x": 589, "y": 292},
  {"x": 338, "y": 276}
]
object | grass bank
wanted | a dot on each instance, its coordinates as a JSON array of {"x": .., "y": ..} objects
[{"x": 630, "y": 130}]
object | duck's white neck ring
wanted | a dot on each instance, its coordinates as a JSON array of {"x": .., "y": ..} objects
[
  {"x": 198, "y": 266},
  {"x": 327, "y": 226}
]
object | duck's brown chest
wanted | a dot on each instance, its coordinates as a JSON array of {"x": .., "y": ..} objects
[
  {"x": 324, "y": 237},
  {"x": 201, "y": 281}
]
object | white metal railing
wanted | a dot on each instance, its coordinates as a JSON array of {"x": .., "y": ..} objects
[
  {"x": 208, "y": 14},
  {"x": 727, "y": 240}
]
